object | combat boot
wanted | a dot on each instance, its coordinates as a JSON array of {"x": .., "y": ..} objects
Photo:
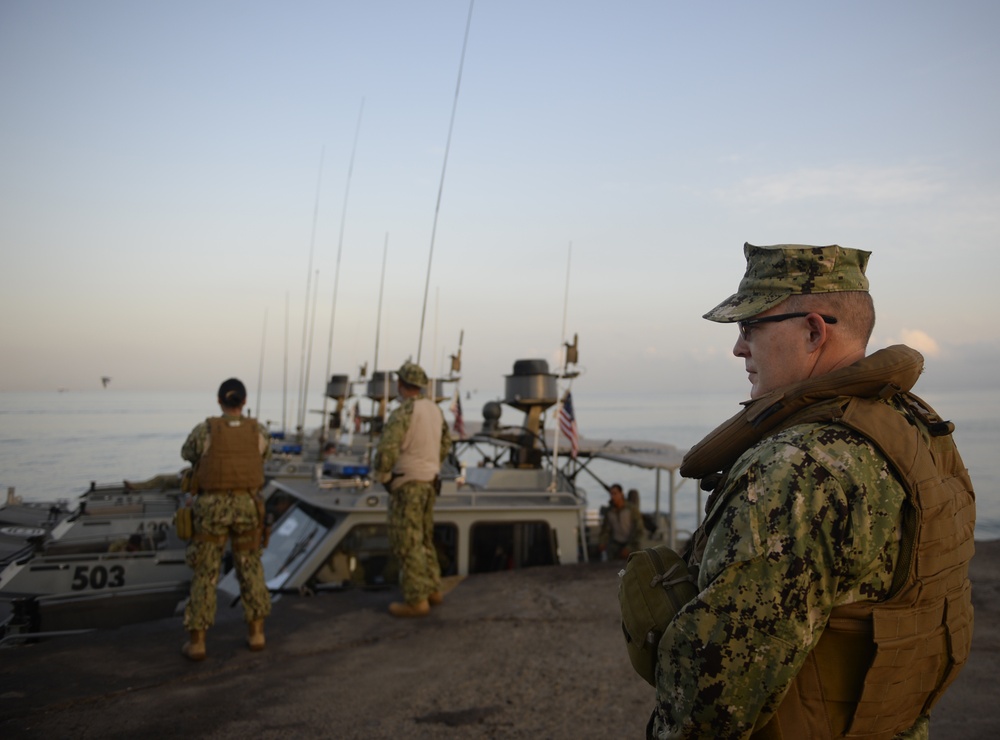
[
  {"x": 255, "y": 635},
  {"x": 436, "y": 598},
  {"x": 420, "y": 609},
  {"x": 194, "y": 648}
]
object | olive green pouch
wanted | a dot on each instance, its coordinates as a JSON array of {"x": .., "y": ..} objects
[
  {"x": 184, "y": 522},
  {"x": 654, "y": 585}
]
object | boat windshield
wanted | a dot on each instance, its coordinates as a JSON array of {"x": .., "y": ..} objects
[{"x": 292, "y": 540}]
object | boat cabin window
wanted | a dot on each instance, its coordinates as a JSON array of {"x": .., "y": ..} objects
[
  {"x": 364, "y": 557},
  {"x": 509, "y": 545}
]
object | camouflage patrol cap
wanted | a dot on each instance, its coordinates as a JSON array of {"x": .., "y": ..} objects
[
  {"x": 412, "y": 373},
  {"x": 776, "y": 272}
]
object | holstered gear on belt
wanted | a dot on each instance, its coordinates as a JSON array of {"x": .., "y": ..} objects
[
  {"x": 184, "y": 522},
  {"x": 390, "y": 479}
]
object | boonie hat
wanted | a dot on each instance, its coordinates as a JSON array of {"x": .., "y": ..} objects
[
  {"x": 412, "y": 373},
  {"x": 776, "y": 272}
]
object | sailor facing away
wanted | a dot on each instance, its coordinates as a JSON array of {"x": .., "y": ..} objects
[
  {"x": 228, "y": 454},
  {"x": 411, "y": 449}
]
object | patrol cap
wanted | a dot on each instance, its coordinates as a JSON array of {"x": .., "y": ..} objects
[
  {"x": 776, "y": 272},
  {"x": 412, "y": 373}
]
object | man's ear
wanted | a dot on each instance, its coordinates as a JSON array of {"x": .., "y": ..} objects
[{"x": 817, "y": 331}]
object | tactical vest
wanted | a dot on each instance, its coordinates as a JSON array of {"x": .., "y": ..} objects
[
  {"x": 877, "y": 667},
  {"x": 232, "y": 461},
  {"x": 420, "y": 449}
]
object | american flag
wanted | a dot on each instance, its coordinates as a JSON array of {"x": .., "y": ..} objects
[
  {"x": 456, "y": 409},
  {"x": 567, "y": 424}
]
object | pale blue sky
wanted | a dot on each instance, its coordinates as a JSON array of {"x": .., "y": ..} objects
[{"x": 159, "y": 165}]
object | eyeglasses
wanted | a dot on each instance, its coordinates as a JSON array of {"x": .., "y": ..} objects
[{"x": 748, "y": 324}]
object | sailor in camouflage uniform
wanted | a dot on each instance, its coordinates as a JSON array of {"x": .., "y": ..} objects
[
  {"x": 808, "y": 523},
  {"x": 413, "y": 445},
  {"x": 228, "y": 454}
]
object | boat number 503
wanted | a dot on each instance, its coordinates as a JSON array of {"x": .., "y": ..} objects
[{"x": 98, "y": 577}]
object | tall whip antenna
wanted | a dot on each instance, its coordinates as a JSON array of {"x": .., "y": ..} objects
[
  {"x": 305, "y": 319},
  {"x": 312, "y": 332},
  {"x": 284, "y": 377},
  {"x": 378, "y": 334},
  {"x": 378, "y": 319},
  {"x": 260, "y": 371},
  {"x": 336, "y": 278},
  {"x": 562, "y": 373},
  {"x": 444, "y": 167}
]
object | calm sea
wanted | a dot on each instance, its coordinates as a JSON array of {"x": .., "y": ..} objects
[{"x": 52, "y": 445}]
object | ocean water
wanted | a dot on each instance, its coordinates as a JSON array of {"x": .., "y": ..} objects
[{"x": 53, "y": 445}]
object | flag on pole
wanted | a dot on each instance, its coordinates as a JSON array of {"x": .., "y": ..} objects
[
  {"x": 456, "y": 408},
  {"x": 567, "y": 424}
]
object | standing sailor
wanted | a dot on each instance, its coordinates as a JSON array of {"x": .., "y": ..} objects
[
  {"x": 620, "y": 527},
  {"x": 413, "y": 445},
  {"x": 228, "y": 454},
  {"x": 832, "y": 566}
]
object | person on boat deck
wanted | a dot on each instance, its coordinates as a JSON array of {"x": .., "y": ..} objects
[
  {"x": 163, "y": 482},
  {"x": 619, "y": 528},
  {"x": 414, "y": 443},
  {"x": 132, "y": 544},
  {"x": 839, "y": 502},
  {"x": 228, "y": 454},
  {"x": 633, "y": 503}
]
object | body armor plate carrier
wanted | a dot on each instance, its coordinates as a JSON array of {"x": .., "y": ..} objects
[{"x": 877, "y": 666}]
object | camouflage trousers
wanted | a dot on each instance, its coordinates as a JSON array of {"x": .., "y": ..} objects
[
  {"x": 411, "y": 536},
  {"x": 226, "y": 515}
]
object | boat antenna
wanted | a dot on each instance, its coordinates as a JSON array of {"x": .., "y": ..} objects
[
  {"x": 562, "y": 374},
  {"x": 284, "y": 377},
  {"x": 455, "y": 373},
  {"x": 260, "y": 371},
  {"x": 378, "y": 315},
  {"x": 336, "y": 278},
  {"x": 444, "y": 168},
  {"x": 436, "y": 368},
  {"x": 378, "y": 333},
  {"x": 305, "y": 317},
  {"x": 312, "y": 333}
]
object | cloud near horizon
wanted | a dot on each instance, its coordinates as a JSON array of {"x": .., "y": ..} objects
[
  {"x": 870, "y": 185},
  {"x": 921, "y": 341}
]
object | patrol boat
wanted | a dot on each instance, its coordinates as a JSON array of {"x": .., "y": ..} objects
[
  {"x": 23, "y": 524},
  {"x": 506, "y": 501},
  {"x": 115, "y": 559}
]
